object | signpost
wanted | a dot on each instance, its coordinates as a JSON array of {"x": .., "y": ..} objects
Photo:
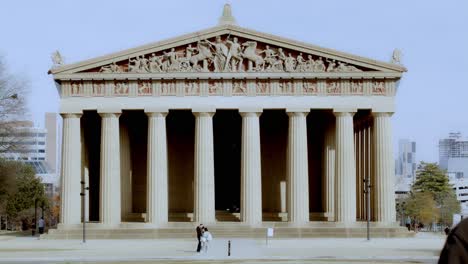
[
  {"x": 83, "y": 208},
  {"x": 367, "y": 192},
  {"x": 270, "y": 233}
]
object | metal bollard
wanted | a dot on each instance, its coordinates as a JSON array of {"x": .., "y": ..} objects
[{"x": 229, "y": 248}]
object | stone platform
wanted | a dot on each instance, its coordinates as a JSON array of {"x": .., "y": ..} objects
[{"x": 226, "y": 230}]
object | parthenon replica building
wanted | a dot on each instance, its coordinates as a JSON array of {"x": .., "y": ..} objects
[{"x": 229, "y": 127}]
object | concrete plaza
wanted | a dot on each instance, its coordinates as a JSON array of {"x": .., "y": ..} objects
[{"x": 423, "y": 248}]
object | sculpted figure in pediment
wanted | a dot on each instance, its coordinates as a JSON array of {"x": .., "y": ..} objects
[
  {"x": 234, "y": 56},
  {"x": 331, "y": 66},
  {"x": 155, "y": 63},
  {"x": 221, "y": 52},
  {"x": 301, "y": 63},
  {"x": 172, "y": 60},
  {"x": 255, "y": 61},
  {"x": 310, "y": 64},
  {"x": 289, "y": 63},
  {"x": 111, "y": 68},
  {"x": 204, "y": 54},
  {"x": 134, "y": 65},
  {"x": 270, "y": 58},
  {"x": 319, "y": 65}
]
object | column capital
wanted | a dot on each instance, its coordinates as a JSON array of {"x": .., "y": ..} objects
[
  {"x": 298, "y": 114},
  {"x": 339, "y": 114},
  {"x": 109, "y": 115},
  {"x": 203, "y": 114},
  {"x": 71, "y": 115},
  {"x": 339, "y": 110},
  {"x": 156, "y": 110},
  {"x": 382, "y": 114},
  {"x": 298, "y": 110},
  {"x": 251, "y": 110},
  {"x": 110, "y": 110},
  {"x": 156, "y": 114}
]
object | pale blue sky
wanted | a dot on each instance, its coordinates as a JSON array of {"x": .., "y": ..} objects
[{"x": 432, "y": 99}]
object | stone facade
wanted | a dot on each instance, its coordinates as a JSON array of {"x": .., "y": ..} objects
[{"x": 150, "y": 160}]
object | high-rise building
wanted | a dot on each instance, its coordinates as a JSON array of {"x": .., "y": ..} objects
[
  {"x": 453, "y": 155},
  {"x": 52, "y": 145},
  {"x": 22, "y": 141},
  {"x": 405, "y": 165}
]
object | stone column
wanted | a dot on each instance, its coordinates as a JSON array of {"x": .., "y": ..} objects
[
  {"x": 251, "y": 173},
  {"x": 384, "y": 194},
  {"x": 157, "y": 202},
  {"x": 110, "y": 169},
  {"x": 71, "y": 170},
  {"x": 297, "y": 168},
  {"x": 125, "y": 172},
  {"x": 345, "y": 172},
  {"x": 204, "y": 207},
  {"x": 329, "y": 172}
]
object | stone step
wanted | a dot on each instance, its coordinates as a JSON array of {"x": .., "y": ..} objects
[{"x": 222, "y": 232}]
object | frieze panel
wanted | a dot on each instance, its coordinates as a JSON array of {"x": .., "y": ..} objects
[
  {"x": 263, "y": 87},
  {"x": 121, "y": 88},
  {"x": 239, "y": 87},
  {"x": 215, "y": 87},
  {"x": 378, "y": 87},
  {"x": 227, "y": 54},
  {"x": 309, "y": 87},
  {"x": 285, "y": 87},
  {"x": 191, "y": 88},
  {"x": 144, "y": 88},
  {"x": 77, "y": 88},
  {"x": 168, "y": 87},
  {"x": 334, "y": 87},
  {"x": 98, "y": 88},
  {"x": 357, "y": 86},
  {"x": 234, "y": 87}
]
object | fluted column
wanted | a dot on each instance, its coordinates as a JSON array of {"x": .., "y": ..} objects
[
  {"x": 125, "y": 172},
  {"x": 345, "y": 172},
  {"x": 157, "y": 207},
  {"x": 329, "y": 172},
  {"x": 71, "y": 170},
  {"x": 110, "y": 169},
  {"x": 384, "y": 195},
  {"x": 251, "y": 174},
  {"x": 297, "y": 169},
  {"x": 204, "y": 207}
]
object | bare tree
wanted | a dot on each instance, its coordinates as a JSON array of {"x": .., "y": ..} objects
[{"x": 13, "y": 92}]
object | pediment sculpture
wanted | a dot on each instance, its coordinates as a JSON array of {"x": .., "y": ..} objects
[{"x": 227, "y": 54}]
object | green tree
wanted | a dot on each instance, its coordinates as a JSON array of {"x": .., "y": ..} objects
[
  {"x": 431, "y": 179},
  {"x": 432, "y": 196},
  {"x": 421, "y": 207},
  {"x": 28, "y": 192},
  {"x": 449, "y": 206}
]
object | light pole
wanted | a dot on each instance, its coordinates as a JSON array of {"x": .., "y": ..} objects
[
  {"x": 367, "y": 192},
  {"x": 83, "y": 208}
]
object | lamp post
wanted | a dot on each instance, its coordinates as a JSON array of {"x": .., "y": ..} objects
[
  {"x": 367, "y": 192},
  {"x": 83, "y": 208}
]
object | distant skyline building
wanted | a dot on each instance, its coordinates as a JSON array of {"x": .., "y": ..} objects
[
  {"x": 405, "y": 165},
  {"x": 34, "y": 146},
  {"x": 453, "y": 155}
]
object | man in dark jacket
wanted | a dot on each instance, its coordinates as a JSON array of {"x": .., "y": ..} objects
[
  {"x": 199, "y": 234},
  {"x": 455, "y": 250}
]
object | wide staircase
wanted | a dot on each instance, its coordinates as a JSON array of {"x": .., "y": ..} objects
[{"x": 228, "y": 230}]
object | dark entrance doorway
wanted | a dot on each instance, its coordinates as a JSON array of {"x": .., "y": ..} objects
[{"x": 227, "y": 130}]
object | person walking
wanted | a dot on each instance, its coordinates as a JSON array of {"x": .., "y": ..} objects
[
  {"x": 199, "y": 230},
  {"x": 41, "y": 225}
]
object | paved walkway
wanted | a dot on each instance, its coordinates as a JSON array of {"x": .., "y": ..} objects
[{"x": 424, "y": 248}]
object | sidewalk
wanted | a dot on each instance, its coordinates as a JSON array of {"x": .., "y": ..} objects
[{"x": 424, "y": 248}]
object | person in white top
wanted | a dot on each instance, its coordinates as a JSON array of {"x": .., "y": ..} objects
[
  {"x": 205, "y": 239},
  {"x": 41, "y": 225}
]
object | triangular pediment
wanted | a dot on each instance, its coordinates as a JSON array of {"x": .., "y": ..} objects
[{"x": 227, "y": 48}]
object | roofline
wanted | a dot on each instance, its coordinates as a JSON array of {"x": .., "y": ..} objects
[{"x": 140, "y": 49}]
